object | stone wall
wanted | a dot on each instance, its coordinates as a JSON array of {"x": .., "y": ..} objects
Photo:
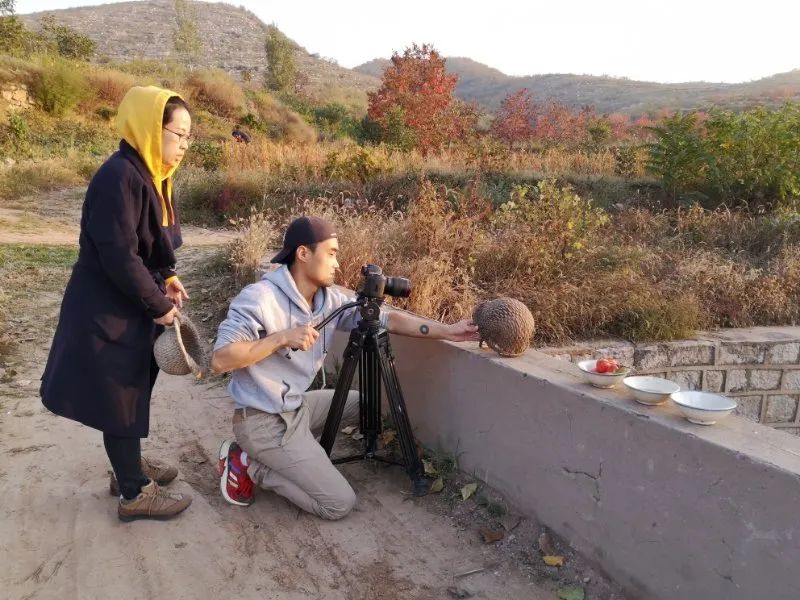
[
  {"x": 759, "y": 367},
  {"x": 16, "y": 95}
]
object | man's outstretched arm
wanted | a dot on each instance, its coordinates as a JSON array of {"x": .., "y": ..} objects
[{"x": 409, "y": 325}]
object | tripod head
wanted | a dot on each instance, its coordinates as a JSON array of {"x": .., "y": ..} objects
[{"x": 371, "y": 291}]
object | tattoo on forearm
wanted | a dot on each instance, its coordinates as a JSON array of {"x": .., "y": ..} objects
[{"x": 423, "y": 329}]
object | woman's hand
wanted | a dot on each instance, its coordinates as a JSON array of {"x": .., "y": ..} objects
[
  {"x": 168, "y": 318},
  {"x": 176, "y": 292}
]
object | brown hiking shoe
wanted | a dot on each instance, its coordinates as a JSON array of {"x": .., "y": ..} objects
[
  {"x": 155, "y": 470},
  {"x": 153, "y": 502}
]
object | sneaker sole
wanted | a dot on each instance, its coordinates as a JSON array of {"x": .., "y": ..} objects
[
  {"x": 129, "y": 518},
  {"x": 224, "y": 449}
]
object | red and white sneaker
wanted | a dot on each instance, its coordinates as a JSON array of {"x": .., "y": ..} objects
[{"x": 234, "y": 482}]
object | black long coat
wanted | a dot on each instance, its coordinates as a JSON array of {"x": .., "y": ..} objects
[{"x": 101, "y": 368}]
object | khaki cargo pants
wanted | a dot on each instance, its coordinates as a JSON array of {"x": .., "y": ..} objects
[{"x": 286, "y": 457}]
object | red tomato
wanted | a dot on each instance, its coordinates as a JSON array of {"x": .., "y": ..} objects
[{"x": 604, "y": 366}]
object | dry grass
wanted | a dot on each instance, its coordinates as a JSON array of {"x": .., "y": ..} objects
[
  {"x": 111, "y": 86},
  {"x": 258, "y": 234},
  {"x": 308, "y": 161},
  {"x": 582, "y": 271},
  {"x": 216, "y": 91},
  {"x": 281, "y": 122},
  {"x": 24, "y": 179}
]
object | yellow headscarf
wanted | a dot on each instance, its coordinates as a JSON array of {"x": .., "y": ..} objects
[{"x": 139, "y": 121}]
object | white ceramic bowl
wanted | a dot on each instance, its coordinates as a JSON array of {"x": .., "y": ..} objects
[
  {"x": 703, "y": 408},
  {"x": 650, "y": 390},
  {"x": 600, "y": 380}
]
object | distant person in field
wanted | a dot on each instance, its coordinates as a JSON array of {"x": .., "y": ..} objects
[
  {"x": 239, "y": 135},
  {"x": 122, "y": 292}
]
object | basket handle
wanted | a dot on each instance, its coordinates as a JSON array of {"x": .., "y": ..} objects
[{"x": 176, "y": 323}]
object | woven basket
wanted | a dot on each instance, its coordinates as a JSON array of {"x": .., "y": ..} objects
[{"x": 179, "y": 349}]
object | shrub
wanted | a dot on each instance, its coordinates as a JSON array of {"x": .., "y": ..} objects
[
  {"x": 280, "y": 122},
  {"x": 258, "y": 234},
  {"x": 68, "y": 42},
  {"x": 60, "y": 87},
  {"x": 356, "y": 163},
  {"x": 207, "y": 155},
  {"x": 215, "y": 90},
  {"x": 281, "y": 73},
  {"x": 111, "y": 86},
  {"x": 732, "y": 157}
]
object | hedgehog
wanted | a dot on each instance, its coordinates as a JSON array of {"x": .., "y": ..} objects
[{"x": 505, "y": 324}]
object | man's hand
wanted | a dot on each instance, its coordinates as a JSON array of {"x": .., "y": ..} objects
[
  {"x": 300, "y": 338},
  {"x": 463, "y": 331},
  {"x": 176, "y": 292}
]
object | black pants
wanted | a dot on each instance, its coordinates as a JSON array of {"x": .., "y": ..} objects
[{"x": 125, "y": 455}]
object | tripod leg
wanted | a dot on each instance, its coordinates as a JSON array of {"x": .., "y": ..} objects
[
  {"x": 351, "y": 359},
  {"x": 397, "y": 406},
  {"x": 370, "y": 408}
]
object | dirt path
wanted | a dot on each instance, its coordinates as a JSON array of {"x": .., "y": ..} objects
[
  {"x": 53, "y": 218},
  {"x": 61, "y": 537},
  {"x": 23, "y": 227}
]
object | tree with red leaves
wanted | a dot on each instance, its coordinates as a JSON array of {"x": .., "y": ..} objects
[
  {"x": 514, "y": 121},
  {"x": 417, "y": 88}
]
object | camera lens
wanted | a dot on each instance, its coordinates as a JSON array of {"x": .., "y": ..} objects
[{"x": 399, "y": 287}]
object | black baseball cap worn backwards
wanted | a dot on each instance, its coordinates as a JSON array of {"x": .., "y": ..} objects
[{"x": 303, "y": 231}]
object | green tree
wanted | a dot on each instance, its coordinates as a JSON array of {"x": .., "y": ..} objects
[
  {"x": 678, "y": 155},
  {"x": 754, "y": 154},
  {"x": 12, "y": 31},
  {"x": 187, "y": 33},
  {"x": 68, "y": 42},
  {"x": 281, "y": 74}
]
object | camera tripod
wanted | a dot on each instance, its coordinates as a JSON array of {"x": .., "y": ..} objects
[{"x": 368, "y": 349}]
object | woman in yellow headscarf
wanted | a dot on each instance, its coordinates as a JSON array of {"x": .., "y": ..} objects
[{"x": 122, "y": 292}]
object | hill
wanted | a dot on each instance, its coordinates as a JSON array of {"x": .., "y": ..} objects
[
  {"x": 232, "y": 38},
  {"x": 487, "y": 86}
]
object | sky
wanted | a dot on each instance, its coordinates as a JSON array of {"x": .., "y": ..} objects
[{"x": 652, "y": 40}]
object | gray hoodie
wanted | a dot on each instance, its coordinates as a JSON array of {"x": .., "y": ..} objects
[{"x": 273, "y": 304}]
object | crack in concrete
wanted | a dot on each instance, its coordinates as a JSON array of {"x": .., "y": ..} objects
[{"x": 595, "y": 478}]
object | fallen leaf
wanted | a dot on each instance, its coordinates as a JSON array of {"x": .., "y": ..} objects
[
  {"x": 348, "y": 430},
  {"x": 388, "y": 436},
  {"x": 468, "y": 490},
  {"x": 490, "y": 536},
  {"x": 546, "y": 544},
  {"x": 358, "y": 436},
  {"x": 553, "y": 561},
  {"x": 437, "y": 486},
  {"x": 429, "y": 468},
  {"x": 510, "y": 522},
  {"x": 573, "y": 592}
]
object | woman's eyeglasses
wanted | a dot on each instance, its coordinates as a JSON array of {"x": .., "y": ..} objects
[{"x": 182, "y": 137}]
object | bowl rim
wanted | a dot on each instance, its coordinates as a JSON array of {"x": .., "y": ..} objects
[
  {"x": 580, "y": 364},
  {"x": 733, "y": 403},
  {"x": 627, "y": 382}
]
